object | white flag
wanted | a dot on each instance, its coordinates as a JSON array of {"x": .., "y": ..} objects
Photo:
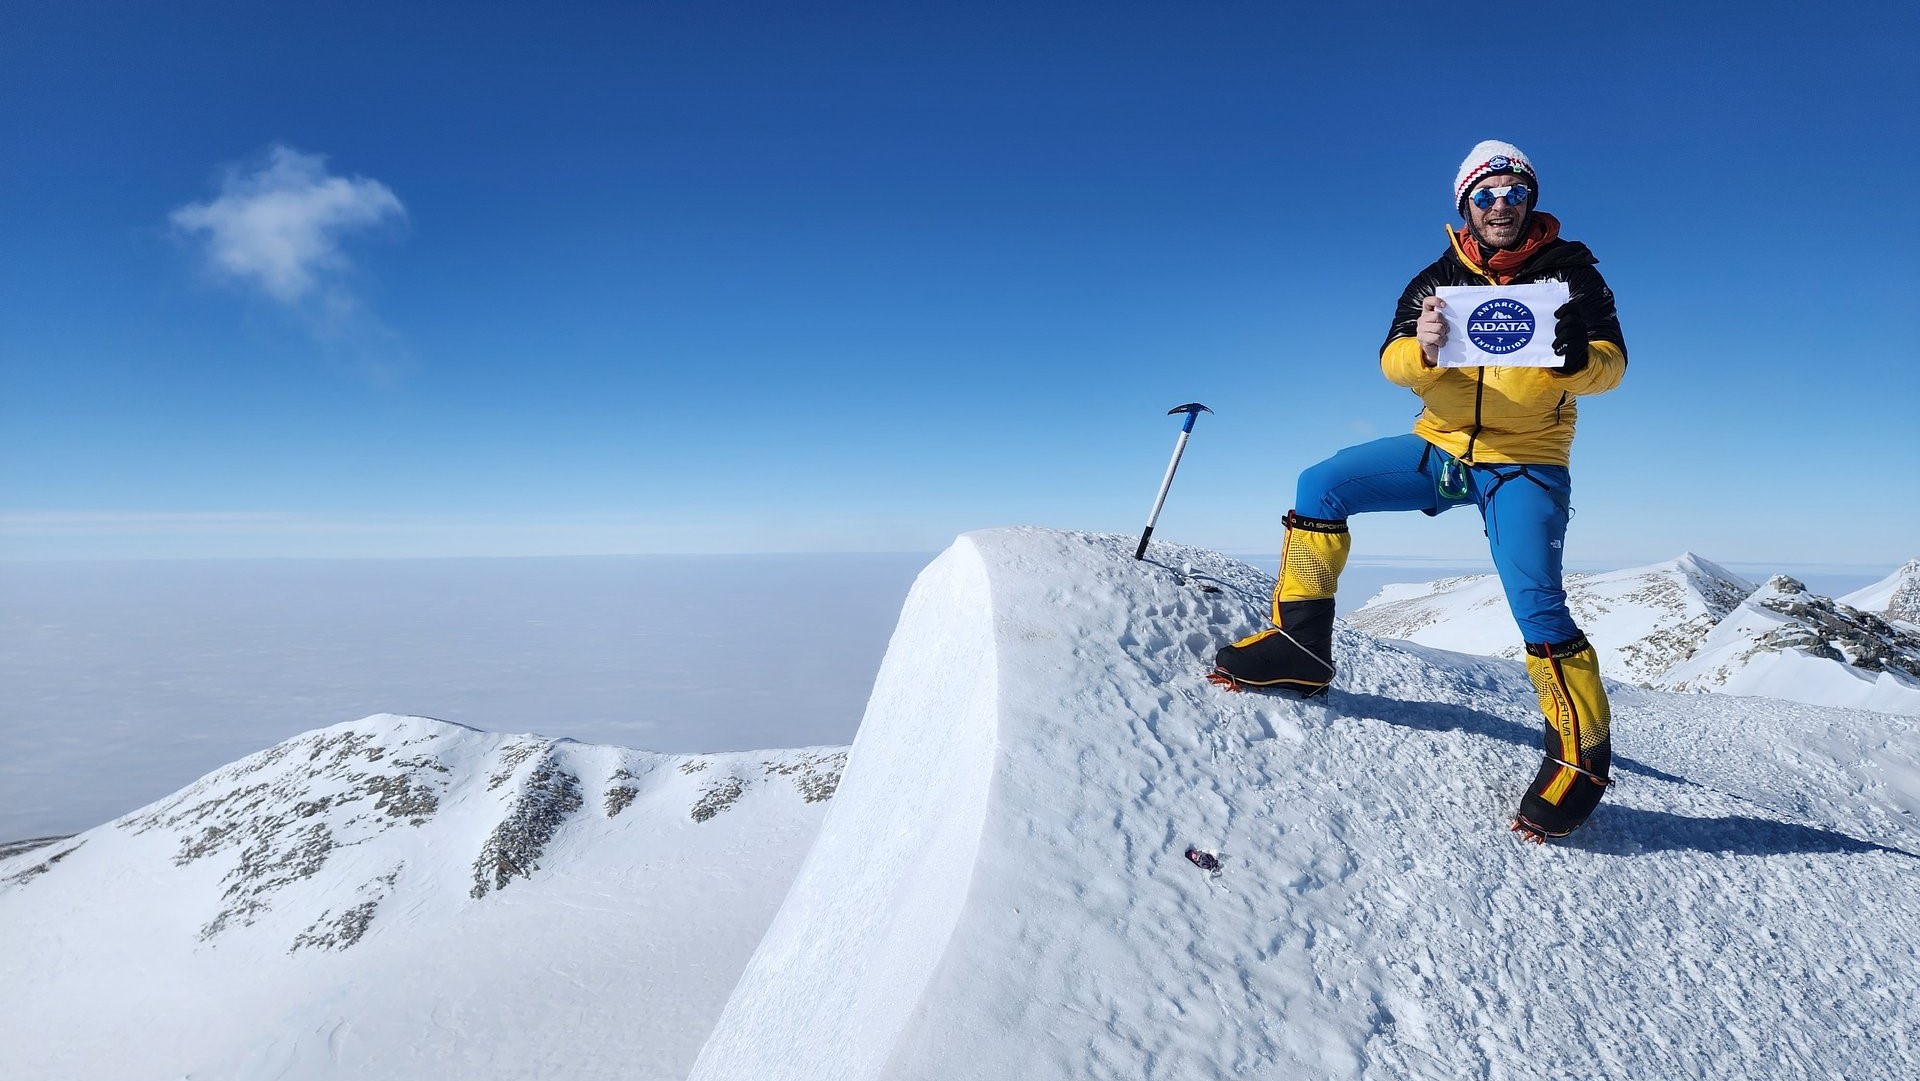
[{"x": 1505, "y": 325}]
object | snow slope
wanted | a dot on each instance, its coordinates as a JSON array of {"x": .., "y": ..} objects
[
  {"x": 1640, "y": 620},
  {"x": 999, "y": 889},
  {"x": 1897, "y": 596},
  {"x": 1690, "y": 625},
  {"x": 405, "y": 898},
  {"x": 1785, "y": 642}
]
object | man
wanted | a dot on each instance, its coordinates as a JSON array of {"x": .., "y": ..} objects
[{"x": 1496, "y": 437}]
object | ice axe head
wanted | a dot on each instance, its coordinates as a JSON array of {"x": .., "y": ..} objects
[{"x": 1192, "y": 410}]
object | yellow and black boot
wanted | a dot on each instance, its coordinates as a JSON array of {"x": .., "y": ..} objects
[
  {"x": 1579, "y": 761},
  {"x": 1296, "y": 653}
]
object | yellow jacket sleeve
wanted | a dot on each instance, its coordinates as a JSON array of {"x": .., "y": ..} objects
[
  {"x": 1403, "y": 364},
  {"x": 1606, "y": 363}
]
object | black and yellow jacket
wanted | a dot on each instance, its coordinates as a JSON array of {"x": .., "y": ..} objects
[{"x": 1501, "y": 414}]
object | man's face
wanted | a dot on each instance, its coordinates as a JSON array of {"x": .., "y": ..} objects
[{"x": 1499, "y": 226}]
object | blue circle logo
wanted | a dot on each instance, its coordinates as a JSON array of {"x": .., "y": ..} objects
[
  {"x": 1500, "y": 326},
  {"x": 1499, "y": 163}
]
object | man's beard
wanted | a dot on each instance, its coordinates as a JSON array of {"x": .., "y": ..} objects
[{"x": 1519, "y": 237}]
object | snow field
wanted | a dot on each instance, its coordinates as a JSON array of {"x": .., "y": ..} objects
[
  {"x": 1640, "y": 620},
  {"x": 997, "y": 890},
  {"x": 1724, "y": 662},
  {"x": 1742, "y": 903},
  {"x": 609, "y": 958},
  {"x": 1688, "y": 625}
]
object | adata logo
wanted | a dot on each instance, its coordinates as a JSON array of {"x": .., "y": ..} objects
[{"x": 1500, "y": 326}]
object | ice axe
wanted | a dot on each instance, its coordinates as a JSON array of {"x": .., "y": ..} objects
[{"x": 1193, "y": 411}]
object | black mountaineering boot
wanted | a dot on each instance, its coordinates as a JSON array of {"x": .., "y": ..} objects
[
  {"x": 1296, "y": 653},
  {"x": 1578, "y": 766}
]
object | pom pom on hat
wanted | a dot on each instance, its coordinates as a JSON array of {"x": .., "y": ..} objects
[{"x": 1486, "y": 159}]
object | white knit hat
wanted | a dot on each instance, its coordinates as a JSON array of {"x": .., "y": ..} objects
[{"x": 1486, "y": 159}]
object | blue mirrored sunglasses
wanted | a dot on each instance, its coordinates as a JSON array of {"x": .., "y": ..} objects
[{"x": 1514, "y": 194}]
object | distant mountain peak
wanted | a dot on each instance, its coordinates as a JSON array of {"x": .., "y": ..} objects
[
  {"x": 1904, "y": 604},
  {"x": 1641, "y": 619},
  {"x": 1787, "y": 641},
  {"x": 1823, "y": 627},
  {"x": 314, "y": 835},
  {"x": 282, "y": 814},
  {"x": 416, "y": 884},
  {"x": 1897, "y": 596},
  {"x": 1689, "y": 624}
]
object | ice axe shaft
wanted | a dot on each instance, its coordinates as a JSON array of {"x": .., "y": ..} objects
[{"x": 1193, "y": 411}]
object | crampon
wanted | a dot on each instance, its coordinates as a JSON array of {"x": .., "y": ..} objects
[
  {"x": 1529, "y": 832},
  {"x": 1227, "y": 681},
  {"x": 1224, "y": 680}
]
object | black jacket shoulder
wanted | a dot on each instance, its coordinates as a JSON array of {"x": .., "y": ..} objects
[{"x": 1562, "y": 260}]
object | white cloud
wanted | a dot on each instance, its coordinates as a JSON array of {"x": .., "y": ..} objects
[{"x": 278, "y": 224}]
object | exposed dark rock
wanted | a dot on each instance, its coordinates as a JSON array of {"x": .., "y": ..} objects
[
  {"x": 718, "y": 796},
  {"x": 419, "y": 762},
  {"x": 1904, "y": 605},
  {"x": 210, "y": 839},
  {"x": 307, "y": 798},
  {"x": 331, "y": 932},
  {"x": 620, "y": 796},
  {"x": 10, "y": 849},
  {"x": 1675, "y": 595},
  {"x": 341, "y": 746},
  {"x": 272, "y": 862},
  {"x": 21, "y": 878},
  {"x": 1826, "y": 628},
  {"x": 512, "y": 757},
  {"x": 338, "y": 933},
  {"x": 400, "y": 797},
  {"x": 815, "y": 776},
  {"x": 546, "y": 798}
]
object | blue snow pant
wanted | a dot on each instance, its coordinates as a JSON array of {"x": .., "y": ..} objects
[{"x": 1525, "y": 509}]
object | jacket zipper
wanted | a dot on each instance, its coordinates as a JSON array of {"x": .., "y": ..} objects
[
  {"x": 1480, "y": 373},
  {"x": 1479, "y": 380}
]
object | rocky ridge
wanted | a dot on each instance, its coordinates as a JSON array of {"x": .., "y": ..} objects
[
  {"x": 316, "y": 835},
  {"x": 1690, "y": 625},
  {"x": 1784, "y": 617},
  {"x": 1895, "y": 597},
  {"x": 1641, "y": 619}
]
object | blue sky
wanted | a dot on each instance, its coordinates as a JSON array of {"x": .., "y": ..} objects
[{"x": 713, "y": 277}]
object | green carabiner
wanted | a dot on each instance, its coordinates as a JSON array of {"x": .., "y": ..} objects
[{"x": 1451, "y": 481}]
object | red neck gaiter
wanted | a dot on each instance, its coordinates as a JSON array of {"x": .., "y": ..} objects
[{"x": 1541, "y": 229}]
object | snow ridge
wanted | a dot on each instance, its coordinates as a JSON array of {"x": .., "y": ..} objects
[
  {"x": 1896, "y": 597},
  {"x": 838, "y": 981},
  {"x": 1740, "y": 898},
  {"x": 1690, "y": 625},
  {"x": 281, "y": 815},
  {"x": 1787, "y": 642},
  {"x": 333, "y": 906},
  {"x": 1640, "y": 620}
]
